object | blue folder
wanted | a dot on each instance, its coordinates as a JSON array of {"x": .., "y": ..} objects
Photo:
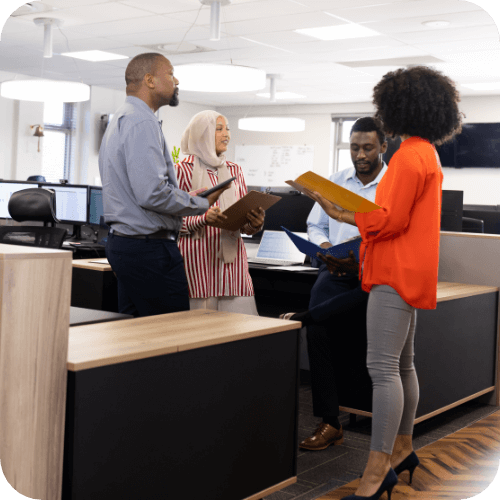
[{"x": 339, "y": 251}]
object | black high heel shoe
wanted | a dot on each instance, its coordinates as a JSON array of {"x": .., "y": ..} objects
[
  {"x": 390, "y": 480},
  {"x": 410, "y": 463}
]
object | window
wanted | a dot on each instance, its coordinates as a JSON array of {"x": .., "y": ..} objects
[
  {"x": 341, "y": 146},
  {"x": 59, "y": 141}
]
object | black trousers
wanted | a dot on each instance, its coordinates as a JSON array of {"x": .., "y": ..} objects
[
  {"x": 338, "y": 307},
  {"x": 150, "y": 274}
]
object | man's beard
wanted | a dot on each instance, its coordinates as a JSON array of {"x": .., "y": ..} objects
[
  {"x": 373, "y": 166},
  {"x": 174, "y": 100}
]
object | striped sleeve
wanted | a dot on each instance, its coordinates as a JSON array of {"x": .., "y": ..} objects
[{"x": 184, "y": 172}]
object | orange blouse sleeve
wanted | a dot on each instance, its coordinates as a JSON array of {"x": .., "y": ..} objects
[{"x": 402, "y": 184}]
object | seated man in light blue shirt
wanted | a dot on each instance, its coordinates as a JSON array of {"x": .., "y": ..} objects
[{"x": 337, "y": 300}]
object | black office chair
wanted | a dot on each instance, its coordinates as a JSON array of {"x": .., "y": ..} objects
[
  {"x": 470, "y": 225},
  {"x": 33, "y": 205},
  {"x": 37, "y": 178}
]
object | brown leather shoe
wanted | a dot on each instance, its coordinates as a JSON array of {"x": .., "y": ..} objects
[{"x": 323, "y": 437}]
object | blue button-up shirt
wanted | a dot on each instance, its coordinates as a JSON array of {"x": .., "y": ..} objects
[
  {"x": 323, "y": 229},
  {"x": 139, "y": 185}
]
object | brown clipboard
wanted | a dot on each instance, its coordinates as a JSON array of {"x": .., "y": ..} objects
[
  {"x": 333, "y": 192},
  {"x": 237, "y": 213}
]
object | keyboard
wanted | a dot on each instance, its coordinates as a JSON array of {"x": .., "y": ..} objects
[{"x": 272, "y": 262}]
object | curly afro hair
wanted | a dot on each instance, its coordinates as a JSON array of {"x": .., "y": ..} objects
[{"x": 418, "y": 101}]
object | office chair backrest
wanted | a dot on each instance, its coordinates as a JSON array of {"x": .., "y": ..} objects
[
  {"x": 33, "y": 236},
  {"x": 33, "y": 204},
  {"x": 36, "y": 178}
]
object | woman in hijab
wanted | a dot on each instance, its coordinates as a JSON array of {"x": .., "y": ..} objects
[{"x": 215, "y": 259}]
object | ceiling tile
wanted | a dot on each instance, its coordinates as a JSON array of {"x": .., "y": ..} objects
[
  {"x": 401, "y": 10},
  {"x": 130, "y": 26},
  {"x": 280, "y": 23},
  {"x": 87, "y": 14},
  {"x": 164, "y": 6},
  {"x": 449, "y": 34}
]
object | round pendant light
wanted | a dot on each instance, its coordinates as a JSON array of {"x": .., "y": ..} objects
[
  {"x": 219, "y": 78},
  {"x": 45, "y": 90},
  {"x": 272, "y": 124}
]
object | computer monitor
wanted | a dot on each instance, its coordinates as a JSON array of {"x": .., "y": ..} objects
[
  {"x": 290, "y": 212},
  {"x": 7, "y": 189},
  {"x": 71, "y": 203},
  {"x": 96, "y": 210},
  {"x": 452, "y": 208}
]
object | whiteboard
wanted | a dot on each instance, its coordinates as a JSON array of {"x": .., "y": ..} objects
[{"x": 273, "y": 165}]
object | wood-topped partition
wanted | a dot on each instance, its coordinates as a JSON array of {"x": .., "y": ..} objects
[
  {"x": 472, "y": 258},
  {"x": 34, "y": 324}
]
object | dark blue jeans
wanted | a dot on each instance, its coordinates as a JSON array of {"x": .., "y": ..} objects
[
  {"x": 150, "y": 274},
  {"x": 338, "y": 308}
]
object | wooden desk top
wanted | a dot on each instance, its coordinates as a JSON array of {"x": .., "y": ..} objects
[
  {"x": 91, "y": 266},
  {"x": 451, "y": 291},
  {"x": 25, "y": 252},
  {"x": 104, "y": 344}
]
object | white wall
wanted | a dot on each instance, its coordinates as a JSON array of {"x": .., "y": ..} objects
[
  {"x": 19, "y": 157},
  {"x": 480, "y": 186}
]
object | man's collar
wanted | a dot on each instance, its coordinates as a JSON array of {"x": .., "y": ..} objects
[{"x": 139, "y": 102}]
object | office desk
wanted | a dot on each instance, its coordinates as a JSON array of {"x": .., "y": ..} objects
[
  {"x": 94, "y": 286},
  {"x": 445, "y": 337},
  {"x": 181, "y": 406}
]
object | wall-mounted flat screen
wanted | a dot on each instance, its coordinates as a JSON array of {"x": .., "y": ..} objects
[{"x": 478, "y": 146}]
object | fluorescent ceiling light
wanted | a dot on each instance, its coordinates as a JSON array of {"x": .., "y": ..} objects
[
  {"x": 482, "y": 86},
  {"x": 436, "y": 24},
  {"x": 272, "y": 124},
  {"x": 45, "y": 90},
  {"x": 282, "y": 95},
  {"x": 94, "y": 55},
  {"x": 339, "y": 32},
  {"x": 219, "y": 78}
]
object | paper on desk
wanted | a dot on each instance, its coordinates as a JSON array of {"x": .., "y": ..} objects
[
  {"x": 339, "y": 251},
  {"x": 333, "y": 192},
  {"x": 293, "y": 268},
  {"x": 100, "y": 261},
  {"x": 237, "y": 213}
]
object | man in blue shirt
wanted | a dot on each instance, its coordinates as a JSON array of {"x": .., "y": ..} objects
[
  {"x": 142, "y": 202},
  {"x": 338, "y": 304}
]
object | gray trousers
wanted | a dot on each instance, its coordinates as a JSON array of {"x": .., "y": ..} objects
[{"x": 391, "y": 326}]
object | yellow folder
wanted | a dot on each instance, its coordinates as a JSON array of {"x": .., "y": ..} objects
[{"x": 333, "y": 192}]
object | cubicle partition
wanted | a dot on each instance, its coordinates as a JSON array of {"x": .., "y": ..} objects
[
  {"x": 34, "y": 318},
  {"x": 472, "y": 258}
]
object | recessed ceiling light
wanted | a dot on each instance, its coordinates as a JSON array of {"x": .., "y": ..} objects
[
  {"x": 94, "y": 55},
  {"x": 436, "y": 24},
  {"x": 339, "y": 32},
  {"x": 272, "y": 124},
  {"x": 482, "y": 86},
  {"x": 199, "y": 77},
  {"x": 283, "y": 95}
]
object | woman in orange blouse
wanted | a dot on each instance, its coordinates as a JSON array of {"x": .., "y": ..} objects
[{"x": 399, "y": 260}]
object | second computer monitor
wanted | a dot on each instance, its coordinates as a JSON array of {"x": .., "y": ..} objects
[
  {"x": 95, "y": 205},
  {"x": 71, "y": 203}
]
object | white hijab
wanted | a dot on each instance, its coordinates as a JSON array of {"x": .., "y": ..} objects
[{"x": 198, "y": 140}]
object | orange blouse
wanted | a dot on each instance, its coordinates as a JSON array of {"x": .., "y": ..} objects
[{"x": 400, "y": 245}]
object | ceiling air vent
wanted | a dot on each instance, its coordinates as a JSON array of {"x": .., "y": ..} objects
[{"x": 399, "y": 61}]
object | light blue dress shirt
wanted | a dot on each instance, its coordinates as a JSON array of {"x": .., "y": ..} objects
[
  {"x": 323, "y": 229},
  {"x": 139, "y": 185}
]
